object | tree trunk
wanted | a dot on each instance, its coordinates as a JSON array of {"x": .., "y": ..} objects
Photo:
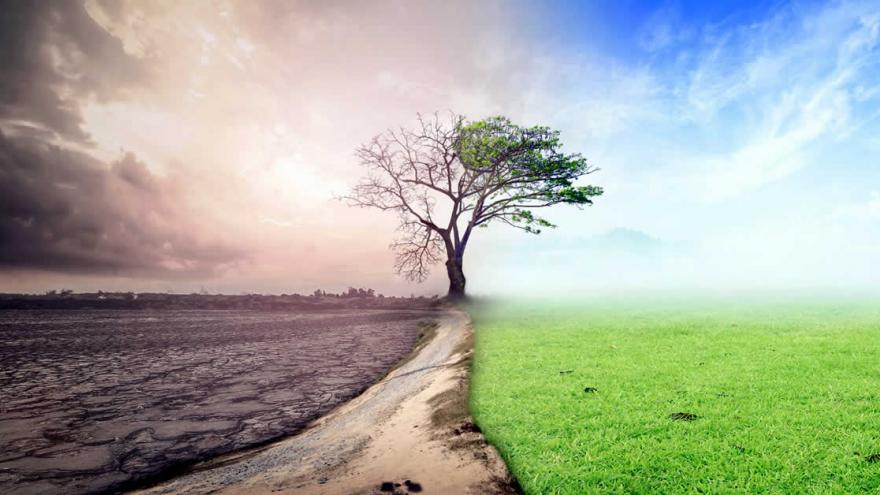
[{"x": 456, "y": 278}]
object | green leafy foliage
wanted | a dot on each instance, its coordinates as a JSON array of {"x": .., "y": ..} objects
[{"x": 524, "y": 167}]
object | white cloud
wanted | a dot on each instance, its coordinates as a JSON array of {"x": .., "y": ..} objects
[
  {"x": 276, "y": 222},
  {"x": 663, "y": 29},
  {"x": 867, "y": 210}
]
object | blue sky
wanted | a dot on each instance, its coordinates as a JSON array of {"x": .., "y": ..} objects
[
  {"x": 739, "y": 140},
  {"x": 640, "y": 31}
]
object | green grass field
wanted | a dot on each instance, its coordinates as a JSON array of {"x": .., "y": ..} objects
[{"x": 786, "y": 394}]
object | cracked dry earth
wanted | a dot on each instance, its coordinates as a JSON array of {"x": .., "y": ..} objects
[{"x": 94, "y": 401}]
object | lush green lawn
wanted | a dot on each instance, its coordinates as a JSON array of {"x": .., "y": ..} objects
[{"x": 787, "y": 395}]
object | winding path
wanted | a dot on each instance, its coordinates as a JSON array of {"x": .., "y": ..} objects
[{"x": 386, "y": 436}]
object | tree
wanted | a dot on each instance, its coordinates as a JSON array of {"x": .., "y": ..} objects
[{"x": 447, "y": 178}]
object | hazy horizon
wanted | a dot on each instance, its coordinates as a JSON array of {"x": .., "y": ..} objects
[{"x": 184, "y": 146}]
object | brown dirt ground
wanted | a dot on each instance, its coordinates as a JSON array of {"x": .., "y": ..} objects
[{"x": 408, "y": 433}]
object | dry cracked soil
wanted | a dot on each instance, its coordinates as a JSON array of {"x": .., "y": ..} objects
[{"x": 97, "y": 401}]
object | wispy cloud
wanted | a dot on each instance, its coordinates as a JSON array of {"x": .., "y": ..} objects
[
  {"x": 784, "y": 85},
  {"x": 866, "y": 210},
  {"x": 664, "y": 29},
  {"x": 277, "y": 223}
]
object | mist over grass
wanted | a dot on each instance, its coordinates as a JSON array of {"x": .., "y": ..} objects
[
  {"x": 784, "y": 390},
  {"x": 683, "y": 300}
]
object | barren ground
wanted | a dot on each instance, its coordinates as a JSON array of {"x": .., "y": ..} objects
[
  {"x": 408, "y": 433},
  {"x": 102, "y": 400}
]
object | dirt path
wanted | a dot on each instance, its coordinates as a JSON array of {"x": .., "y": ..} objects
[{"x": 408, "y": 433}]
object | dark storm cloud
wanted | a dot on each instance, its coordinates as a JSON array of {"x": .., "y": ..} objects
[
  {"x": 61, "y": 209},
  {"x": 53, "y": 53}
]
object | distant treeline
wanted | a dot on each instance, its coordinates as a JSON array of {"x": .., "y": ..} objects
[
  {"x": 351, "y": 292},
  {"x": 320, "y": 299}
]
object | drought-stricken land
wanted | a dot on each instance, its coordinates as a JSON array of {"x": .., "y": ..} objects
[
  {"x": 409, "y": 433},
  {"x": 94, "y": 400}
]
